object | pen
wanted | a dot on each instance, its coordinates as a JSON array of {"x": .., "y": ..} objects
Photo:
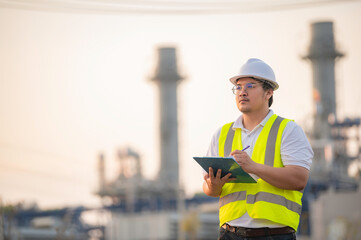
[{"x": 245, "y": 148}]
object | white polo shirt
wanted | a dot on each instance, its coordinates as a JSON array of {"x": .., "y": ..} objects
[{"x": 295, "y": 150}]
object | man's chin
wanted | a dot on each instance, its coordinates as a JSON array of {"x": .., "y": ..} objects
[{"x": 244, "y": 109}]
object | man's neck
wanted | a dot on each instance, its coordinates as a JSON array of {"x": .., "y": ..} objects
[{"x": 251, "y": 120}]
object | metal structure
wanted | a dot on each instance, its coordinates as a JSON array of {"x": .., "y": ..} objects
[
  {"x": 155, "y": 206},
  {"x": 330, "y": 136},
  {"x": 34, "y": 224},
  {"x": 167, "y": 78},
  {"x": 131, "y": 190},
  {"x": 323, "y": 54}
]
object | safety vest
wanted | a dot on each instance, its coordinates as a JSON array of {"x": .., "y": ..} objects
[{"x": 260, "y": 200}]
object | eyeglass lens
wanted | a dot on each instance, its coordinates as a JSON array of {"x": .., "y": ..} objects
[{"x": 239, "y": 88}]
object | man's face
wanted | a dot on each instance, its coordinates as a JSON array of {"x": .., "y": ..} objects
[{"x": 251, "y": 97}]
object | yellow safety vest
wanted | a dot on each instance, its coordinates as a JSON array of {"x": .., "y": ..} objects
[{"x": 260, "y": 200}]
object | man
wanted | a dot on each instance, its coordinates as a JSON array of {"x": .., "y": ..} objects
[{"x": 279, "y": 155}]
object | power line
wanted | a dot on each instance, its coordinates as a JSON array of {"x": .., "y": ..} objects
[{"x": 163, "y": 7}]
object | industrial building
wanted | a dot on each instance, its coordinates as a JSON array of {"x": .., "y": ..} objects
[
  {"x": 158, "y": 207},
  {"x": 143, "y": 209}
]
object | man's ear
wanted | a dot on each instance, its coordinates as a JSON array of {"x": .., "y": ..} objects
[{"x": 269, "y": 93}]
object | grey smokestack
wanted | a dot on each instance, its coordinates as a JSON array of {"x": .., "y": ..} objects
[
  {"x": 322, "y": 54},
  {"x": 167, "y": 78}
]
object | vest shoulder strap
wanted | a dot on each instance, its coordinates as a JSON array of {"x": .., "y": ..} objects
[
  {"x": 225, "y": 140},
  {"x": 227, "y": 137}
]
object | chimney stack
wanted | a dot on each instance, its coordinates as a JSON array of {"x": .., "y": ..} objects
[
  {"x": 323, "y": 54},
  {"x": 167, "y": 78}
]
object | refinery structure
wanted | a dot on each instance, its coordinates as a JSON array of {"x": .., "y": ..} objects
[
  {"x": 144, "y": 209},
  {"x": 331, "y": 137},
  {"x": 158, "y": 206}
]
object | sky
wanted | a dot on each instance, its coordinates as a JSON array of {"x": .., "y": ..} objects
[{"x": 74, "y": 85}]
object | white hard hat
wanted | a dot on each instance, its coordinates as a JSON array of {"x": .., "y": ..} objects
[{"x": 256, "y": 68}]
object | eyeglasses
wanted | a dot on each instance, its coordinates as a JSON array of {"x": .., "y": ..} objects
[{"x": 248, "y": 86}]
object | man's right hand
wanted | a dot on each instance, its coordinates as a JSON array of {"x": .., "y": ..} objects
[{"x": 212, "y": 185}]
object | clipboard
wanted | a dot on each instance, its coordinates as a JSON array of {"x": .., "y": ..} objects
[{"x": 227, "y": 165}]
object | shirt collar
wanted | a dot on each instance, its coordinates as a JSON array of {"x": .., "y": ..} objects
[{"x": 238, "y": 123}]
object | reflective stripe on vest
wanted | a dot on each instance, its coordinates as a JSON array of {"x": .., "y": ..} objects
[
  {"x": 271, "y": 142},
  {"x": 229, "y": 141},
  {"x": 277, "y": 199},
  {"x": 261, "y": 196},
  {"x": 233, "y": 197},
  {"x": 256, "y": 198}
]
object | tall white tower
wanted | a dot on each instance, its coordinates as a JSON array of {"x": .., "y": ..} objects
[{"x": 167, "y": 79}]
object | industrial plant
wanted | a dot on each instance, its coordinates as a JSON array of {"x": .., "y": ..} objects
[{"x": 157, "y": 209}]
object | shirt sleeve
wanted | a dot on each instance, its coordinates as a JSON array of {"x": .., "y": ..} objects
[
  {"x": 295, "y": 147},
  {"x": 213, "y": 146}
]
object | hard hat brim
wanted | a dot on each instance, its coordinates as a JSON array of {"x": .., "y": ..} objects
[{"x": 272, "y": 83}]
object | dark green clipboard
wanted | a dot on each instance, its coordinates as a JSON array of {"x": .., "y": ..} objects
[{"x": 227, "y": 165}]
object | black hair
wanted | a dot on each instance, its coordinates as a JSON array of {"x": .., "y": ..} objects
[{"x": 266, "y": 86}]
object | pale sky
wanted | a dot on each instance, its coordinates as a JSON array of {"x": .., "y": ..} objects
[{"x": 76, "y": 84}]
